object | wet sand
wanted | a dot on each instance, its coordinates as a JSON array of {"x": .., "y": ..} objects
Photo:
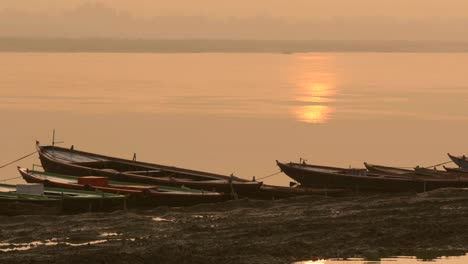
[{"x": 248, "y": 231}]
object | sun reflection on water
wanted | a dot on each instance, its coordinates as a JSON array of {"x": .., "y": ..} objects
[
  {"x": 313, "y": 113},
  {"x": 315, "y": 95},
  {"x": 319, "y": 90},
  {"x": 316, "y": 88}
]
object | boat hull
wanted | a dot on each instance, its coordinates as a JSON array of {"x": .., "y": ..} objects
[
  {"x": 458, "y": 171},
  {"x": 55, "y": 201},
  {"x": 440, "y": 174},
  {"x": 19, "y": 206},
  {"x": 308, "y": 176}
]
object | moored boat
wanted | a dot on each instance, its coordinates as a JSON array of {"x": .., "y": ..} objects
[
  {"x": 360, "y": 180},
  {"x": 139, "y": 194},
  {"x": 416, "y": 172},
  {"x": 461, "y": 171},
  {"x": 439, "y": 173},
  {"x": 461, "y": 161},
  {"x": 13, "y": 203},
  {"x": 56, "y": 200},
  {"x": 79, "y": 163}
]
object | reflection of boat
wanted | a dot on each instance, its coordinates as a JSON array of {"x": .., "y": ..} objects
[
  {"x": 360, "y": 180},
  {"x": 387, "y": 170},
  {"x": 56, "y": 200},
  {"x": 79, "y": 163},
  {"x": 461, "y": 161},
  {"x": 140, "y": 194}
]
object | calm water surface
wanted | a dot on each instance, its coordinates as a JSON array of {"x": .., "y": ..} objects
[{"x": 237, "y": 113}]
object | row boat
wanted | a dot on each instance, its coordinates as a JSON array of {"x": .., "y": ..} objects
[
  {"x": 139, "y": 194},
  {"x": 79, "y": 163},
  {"x": 362, "y": 180},
  {"x": 13, "y": 203},
  {"x": 416, "y": 172},
  {"x": 461, "y": 161},
  {"x": 440, "y": 173},
  {"x": 460, "y": 171},
  {"x": 56, "y": 200}
]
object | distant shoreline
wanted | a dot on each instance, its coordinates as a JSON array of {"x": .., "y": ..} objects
[{"x": 222, "y": 46}]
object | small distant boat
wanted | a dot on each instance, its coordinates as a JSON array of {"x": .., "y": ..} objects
[
  {"x": 56, "y": 200},
  {"x": 387, "y": 170},
  {"x": 461, "y": 161},
  {"x": 361, "y": 180},
  {"x": 79, "y": 163},
  {"x": 140, "y": 194}
]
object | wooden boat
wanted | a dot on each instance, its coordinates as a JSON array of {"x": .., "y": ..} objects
[
  {"x": 360, "y": 180},
  {"x": 79, "y": 163},
  {"x": 461, "y": 171},
  {"x": 416, "y": 172},
  {"x": 13, "y": 203},
  {"x": 439, "y": 173},
  {"x": 56, "y": 200},
  {"x": 140, "y": 194},
  {"x": 461, "y": 161},
  {"x": 387, "y": 170}
]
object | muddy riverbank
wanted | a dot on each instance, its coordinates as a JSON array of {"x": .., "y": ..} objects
[{"x": 247, "y": 231}]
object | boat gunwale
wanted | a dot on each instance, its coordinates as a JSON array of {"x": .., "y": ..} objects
[{"x": 381, "y": 168}]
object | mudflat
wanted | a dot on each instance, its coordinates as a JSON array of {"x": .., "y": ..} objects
[{"x": 426, "y": 225}]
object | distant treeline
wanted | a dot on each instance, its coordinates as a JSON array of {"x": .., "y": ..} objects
[{"x": 201, "y": 45}]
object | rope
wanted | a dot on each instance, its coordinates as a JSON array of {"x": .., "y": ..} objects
[
  {"x": 439, "y": 164},
  {"x": 18, "y": 160},
  {"x": 268, "y": 176},
  {"x": 10, "y": 179}
]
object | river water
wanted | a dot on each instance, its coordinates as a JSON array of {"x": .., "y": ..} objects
[{"x": 237, "y": 113}]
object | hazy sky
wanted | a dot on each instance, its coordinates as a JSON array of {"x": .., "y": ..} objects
[
  {"x": 283, "y": 8},
  {"x": 263, "y": 19}
]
